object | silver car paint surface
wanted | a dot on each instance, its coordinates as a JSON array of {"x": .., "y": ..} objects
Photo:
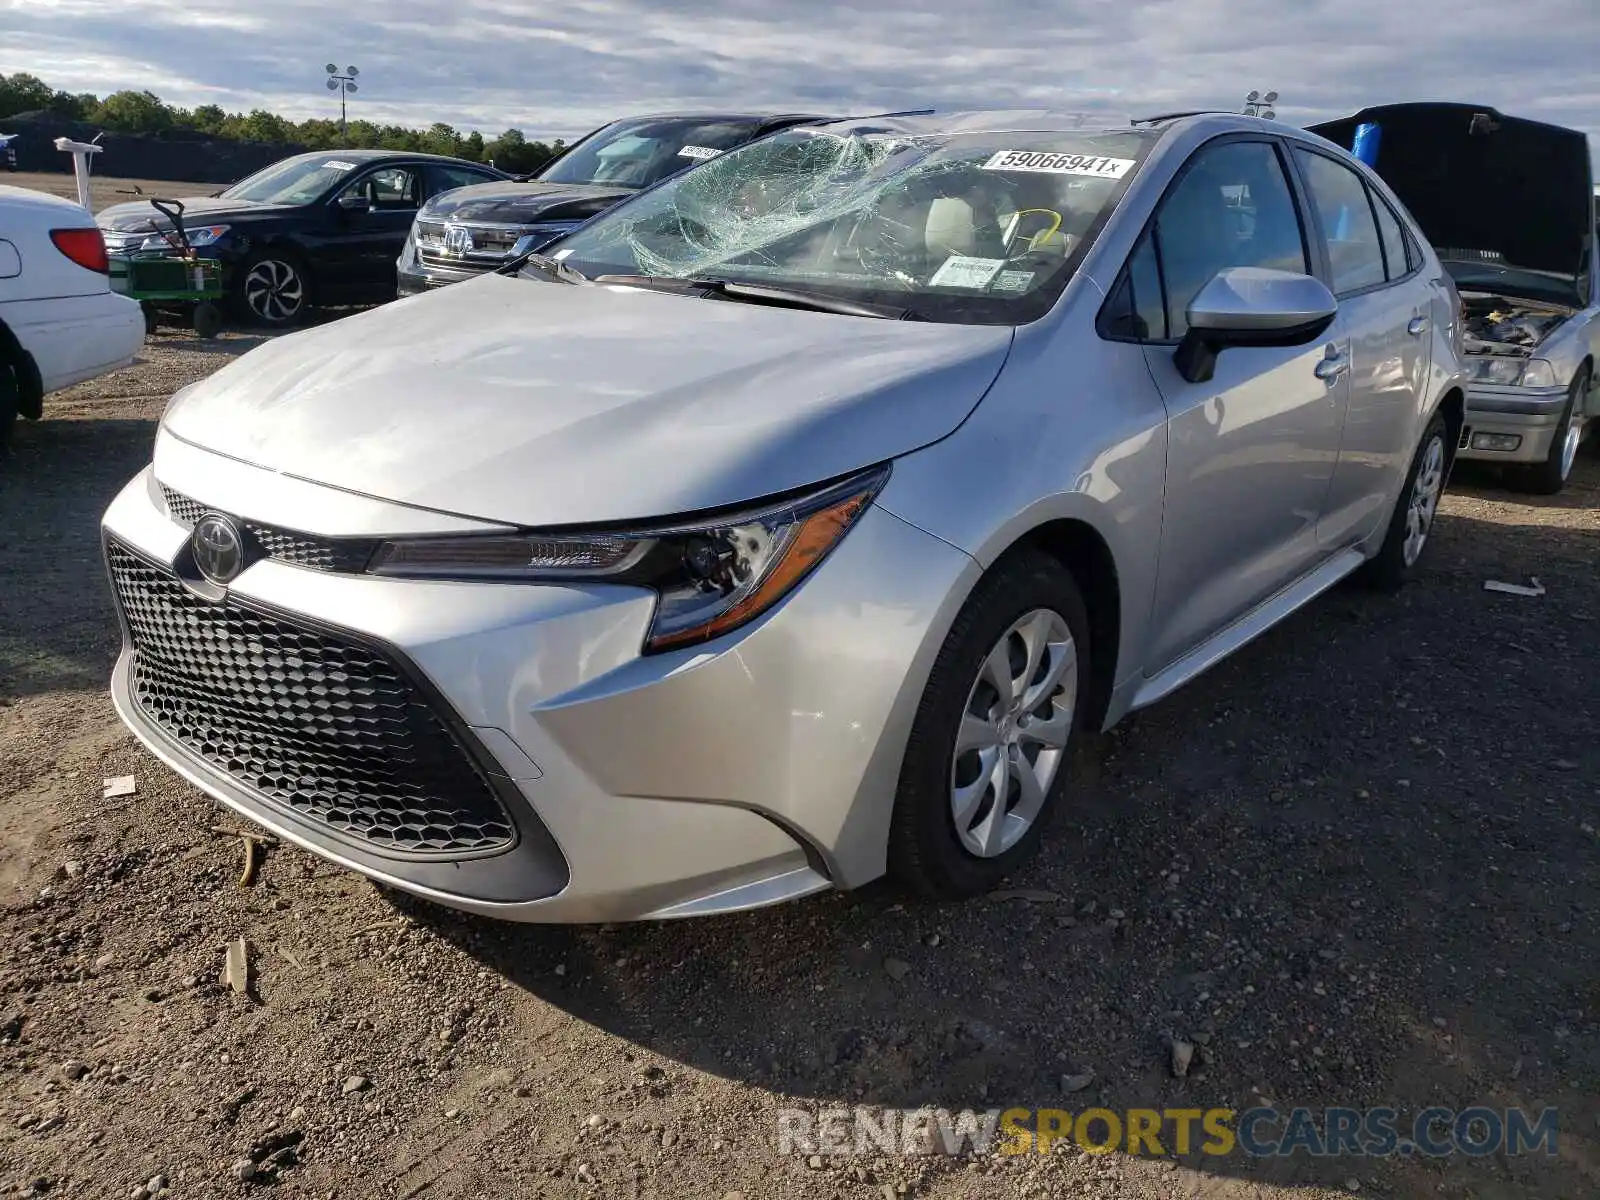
[
  {"x": 1534, "y": 414},
  {"x": 763, "y": 765},
  {"x": 554, "y": 404}
]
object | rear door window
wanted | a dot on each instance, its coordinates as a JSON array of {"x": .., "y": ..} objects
[{"x": 1355, "y": 249}]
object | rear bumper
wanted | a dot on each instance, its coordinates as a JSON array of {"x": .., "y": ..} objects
[
  {"x": 1531, "y": 416},
  {"x": 75, "y": 338}
]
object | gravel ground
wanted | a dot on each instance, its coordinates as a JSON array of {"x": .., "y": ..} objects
[{"x": 1356, "y": 864}]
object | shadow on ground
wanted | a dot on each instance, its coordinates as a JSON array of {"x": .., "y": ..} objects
[
  {"x": 57, "y": 628},
  {"x": 1349, "y": 866}
]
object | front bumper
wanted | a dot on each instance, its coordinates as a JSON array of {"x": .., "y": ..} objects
[
  {"x": 1494, "y": 415},
  {"x": 753, "y": 770}
]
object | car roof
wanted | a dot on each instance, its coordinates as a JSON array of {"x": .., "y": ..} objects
[
  {"x": 370, "y": 155},
  {"x": 711, "y": 115}
]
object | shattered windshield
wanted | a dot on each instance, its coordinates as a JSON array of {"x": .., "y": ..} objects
[
  {"x": 297, "y": 180},
  {"x": 636, "y": 154},
  {"x": 974, "y": 228}
]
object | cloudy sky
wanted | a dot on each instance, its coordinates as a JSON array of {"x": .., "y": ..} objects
[{"x": 563, "y": 66}]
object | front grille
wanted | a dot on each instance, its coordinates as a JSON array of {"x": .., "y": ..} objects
[
  {"x": 435, "y": 258},
  {"x": 319, "y": 725},
  {"x": 346, "y": 555},
  {"x": 182, "y": 509}
]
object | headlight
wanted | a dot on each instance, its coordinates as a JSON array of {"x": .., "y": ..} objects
[
  {"x": 710, "y": 577},
  {"x": 1516, "y": 372},
  {"x": 206, "y": 235}
]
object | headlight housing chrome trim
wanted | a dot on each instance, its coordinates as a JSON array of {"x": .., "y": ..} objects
[{"x": 710, "y": 575}]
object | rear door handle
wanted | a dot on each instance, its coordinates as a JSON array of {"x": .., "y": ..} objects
[
  {"x": 1418, "y": 326},
  {"x": 1332, "y": 367}
]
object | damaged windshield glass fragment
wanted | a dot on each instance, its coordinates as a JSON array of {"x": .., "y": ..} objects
[{"x": 970, "y": 227}]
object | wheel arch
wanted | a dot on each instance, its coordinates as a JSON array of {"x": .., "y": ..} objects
[
  {"x": 1453, "y": 407},
  {"x": 30, "y": 399},
  {"x": 1081, "y": 548}
]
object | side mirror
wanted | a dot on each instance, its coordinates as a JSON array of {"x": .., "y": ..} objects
[
  {"x": 1251, "y": 306},
  {"x": 353, "y": 202}
]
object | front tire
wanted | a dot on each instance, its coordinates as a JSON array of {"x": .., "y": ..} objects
[
  {"x": 1550, "y": 476},
  {"x": 271, "y": 288},
  {"x": 994, "y": 734},
  {"x": 1412, "y": 520}
]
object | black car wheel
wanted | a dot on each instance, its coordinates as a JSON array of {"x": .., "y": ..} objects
[
  {"x": 271, "y": 288},
  {"x": 1550, "y": 476},
  {"x": 10, "y": 398},
  {"x": 989, "y": 749}
]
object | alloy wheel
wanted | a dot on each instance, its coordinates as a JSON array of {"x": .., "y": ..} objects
[
  {"x": 274, "y": 291},
  {"x": 1424, "y": 502},
  {"x": 1569, "y": 444},
  {"x": 1013, "y": 733}
]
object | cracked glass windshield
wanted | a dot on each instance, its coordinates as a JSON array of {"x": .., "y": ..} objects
[{"x": 969, "y": 227}]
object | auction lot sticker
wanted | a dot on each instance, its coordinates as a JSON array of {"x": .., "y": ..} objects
[{"x": 1051, "y": 163}]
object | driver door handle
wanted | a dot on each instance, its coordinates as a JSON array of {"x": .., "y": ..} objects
[
  {"x": 1333, "y": 366},
  {"x": 1418, "y": 326}
]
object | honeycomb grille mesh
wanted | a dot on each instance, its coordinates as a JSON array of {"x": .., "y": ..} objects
[
  {"x": 345, "y": 555},
  {"x": 321, "y": 726}
]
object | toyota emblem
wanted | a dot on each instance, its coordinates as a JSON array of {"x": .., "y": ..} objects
[
  {"x": 218, "y": 548},
  {"x": 457, "y": 240}
]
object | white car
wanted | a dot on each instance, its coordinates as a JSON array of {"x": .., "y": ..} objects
[{"x": 60, "y": 322}]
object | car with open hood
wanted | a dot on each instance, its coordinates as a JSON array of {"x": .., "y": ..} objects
[
  {"x": 1509, "y": 206},
  {"x": 475, "y": 229},
  {"x": 791, "y": 522},
  {"x": 313, "y": 229}
]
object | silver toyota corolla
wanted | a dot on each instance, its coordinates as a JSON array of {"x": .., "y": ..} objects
[{"x": 788, "y": 524}]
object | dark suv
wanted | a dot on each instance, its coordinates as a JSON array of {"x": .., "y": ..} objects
[
  {"x": 319, "y": 228},
  {"x": 463, "y": 233}
]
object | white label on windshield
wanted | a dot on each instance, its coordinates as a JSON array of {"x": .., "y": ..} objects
[
  {"x": 1012, "y": 281},
  {"x": 560, "y": 254},
  {"x": 336, "y": 165},
  {"x": 960, "y": 271},
  {"x": 1059, "y": 164},
  {"x": 698, "y": 152}
]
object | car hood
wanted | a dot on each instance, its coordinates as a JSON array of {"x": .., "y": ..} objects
[
  {"x": 545, "y": 404},
  {"x": 524, "y": 203},
  {"x": 138, "y": 214},
  {"x": 1484, "y": 183}
]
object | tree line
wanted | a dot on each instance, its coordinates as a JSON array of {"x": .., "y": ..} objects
[{"x": 145, "y": 112}]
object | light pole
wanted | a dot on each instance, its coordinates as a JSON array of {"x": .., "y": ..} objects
[
  {"x": 1257, "y": 105},
  {"x": 343, "y": 82}
]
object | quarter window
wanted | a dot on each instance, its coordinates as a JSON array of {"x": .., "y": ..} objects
[
  {"x": 1355, "y": 250},
  {"x": 1394, "y": 239}
]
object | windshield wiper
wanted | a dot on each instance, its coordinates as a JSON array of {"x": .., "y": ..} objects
[
  {"x": 760, "y": 293},
  {"x": 552, "y": 267}
]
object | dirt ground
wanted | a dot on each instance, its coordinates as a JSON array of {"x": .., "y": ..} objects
[
  {"x": 1356, "y": 864},
  {"x": 105, "y": 190}
]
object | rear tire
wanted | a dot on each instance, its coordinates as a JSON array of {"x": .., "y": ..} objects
[
  {"x": 10, "y": 400},
  {"x": 1550, "y": 476},
  {"x": 992, "y": 742},
  {"x": 1411, "y": 523}
]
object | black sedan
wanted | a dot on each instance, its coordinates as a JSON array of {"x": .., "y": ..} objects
[
  {"x": 475, "y": 229},
  {"x": 321, "y": 228}
]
